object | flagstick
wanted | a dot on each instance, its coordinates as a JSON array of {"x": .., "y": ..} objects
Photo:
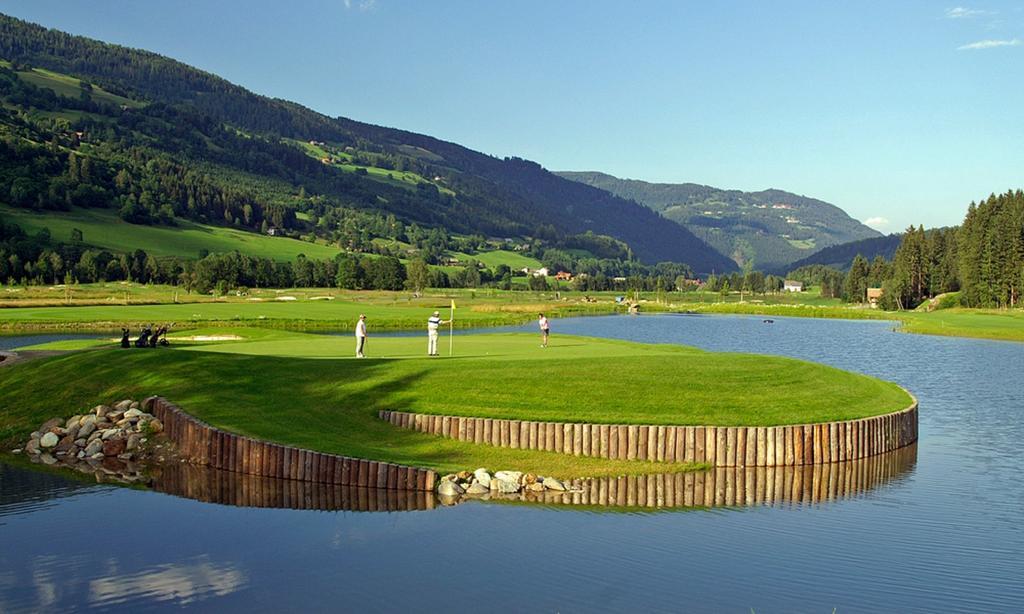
[{"x": 451, "y": 329}]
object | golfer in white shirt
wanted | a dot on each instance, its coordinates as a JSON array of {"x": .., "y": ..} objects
[
  {"x": 433, "y": 323},
  {"x": 361, "y": 336}
]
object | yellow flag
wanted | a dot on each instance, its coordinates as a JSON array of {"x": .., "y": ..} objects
[{"x": 453, "y": 304}]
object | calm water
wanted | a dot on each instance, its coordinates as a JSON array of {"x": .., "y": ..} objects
[
  {"x": 10, "y": 342},
  {"x": 938, "y": 528}
]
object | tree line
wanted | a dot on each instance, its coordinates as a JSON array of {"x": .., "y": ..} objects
[{"x": 982, "y": 260}]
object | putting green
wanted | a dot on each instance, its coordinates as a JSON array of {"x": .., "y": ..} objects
[{"x": 308, "y": 390}]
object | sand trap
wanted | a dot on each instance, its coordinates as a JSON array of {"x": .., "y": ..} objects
[
  {"x": 208, "y": 338},
  {"x": 321, "y": 298},
  {"x": 285, "y": 298}
]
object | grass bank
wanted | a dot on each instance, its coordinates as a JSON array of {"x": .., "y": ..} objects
[
  {"x": 304, "y": 390},
  {"x": 297, "y": 309}
]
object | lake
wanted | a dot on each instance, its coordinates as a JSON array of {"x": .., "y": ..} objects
[{"x": 938, "y": 527}]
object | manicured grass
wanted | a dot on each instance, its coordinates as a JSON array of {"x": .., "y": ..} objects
[
  {"x": 103, "y": 228},
  {"x": 309, "y": 310},
  {"x": 1005, "y": 325},
  {"x": 102, "y": 305},
  {"x": 304, "y": 390}
]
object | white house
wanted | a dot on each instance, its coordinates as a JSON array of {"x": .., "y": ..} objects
[
  {"x": 793, "y": 286},
  {"x": 541, "y": 272}
]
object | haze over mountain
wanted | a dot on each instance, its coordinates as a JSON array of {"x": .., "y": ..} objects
[
  {"x": 282, "y": 159},
  {"x": 772, "y": 228}
]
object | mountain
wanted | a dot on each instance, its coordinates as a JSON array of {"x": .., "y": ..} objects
[
  {"x": 842, "y": 255},
  {"x": 772, "y": 228},
  {"x": 167, "y": 141}
]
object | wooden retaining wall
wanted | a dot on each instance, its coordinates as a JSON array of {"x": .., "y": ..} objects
[
  {"x": 207, "y": 445},
  {"x": 719, "y": 446}
]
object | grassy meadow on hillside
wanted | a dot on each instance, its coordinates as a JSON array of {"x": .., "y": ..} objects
[{"x": 103, "y": 228}]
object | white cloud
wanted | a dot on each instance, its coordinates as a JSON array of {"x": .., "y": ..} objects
[
  {"x": 362, "y": 5},
  {"x": 877, "y": 222},
  {"x": 962, "y": 12},
  {"x": 990, "y": 44}
]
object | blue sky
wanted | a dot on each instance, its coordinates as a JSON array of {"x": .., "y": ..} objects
[{"x": 898, "y": 111}]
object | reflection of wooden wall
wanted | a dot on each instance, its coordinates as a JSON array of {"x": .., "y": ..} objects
[
  {"x": 721, "y": 446},
  {"x": 206, "y": 445},
  {"x": 722, "y": 486},
  {"x": 741, "y": 486},
  {"x": 229, "y": 488}
]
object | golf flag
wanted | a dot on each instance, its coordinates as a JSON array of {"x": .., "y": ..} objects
[{"x": 451, "y": 330}]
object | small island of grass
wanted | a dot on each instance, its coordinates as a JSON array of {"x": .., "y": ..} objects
[{"x": 307, "y": 391}]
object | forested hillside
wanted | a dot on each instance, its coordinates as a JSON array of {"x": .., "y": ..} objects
[
  {"x": 842, "y": 255},
  {"x": 770, "y": 229},
  {"x": 159, "y": 140}
]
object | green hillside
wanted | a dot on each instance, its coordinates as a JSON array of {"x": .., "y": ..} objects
[
  {"x": 103, "y": 228},
  {"x": 770, "y": 228},
  {"x": 494, "y": 258},
  {"x": 69, "y": 86},
  {"x": 165, "y": 141}
]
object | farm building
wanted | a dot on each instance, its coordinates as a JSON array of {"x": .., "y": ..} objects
[
  {"x": 791, "y": 285},
  {"x": 874, "y": 297}
]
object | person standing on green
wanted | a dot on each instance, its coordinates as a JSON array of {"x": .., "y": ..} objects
[
  {"x": 434, "y": 322},
  {"x": 361, "y": 336},
  {"x": 545, "y": 330}
]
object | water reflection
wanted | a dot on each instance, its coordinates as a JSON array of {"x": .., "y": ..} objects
[
  {"x": 229, "y": 488},
  {"x": 740, "y": 486},
  {"x": 182, "y": 583},
  {"x": 721, "y": 487}
]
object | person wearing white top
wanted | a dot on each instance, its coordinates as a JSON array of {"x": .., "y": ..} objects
[
  {"x": 361, "y": 336},
  {"x": 545, "y": 330},
  {"x": 433, "y": 324}
]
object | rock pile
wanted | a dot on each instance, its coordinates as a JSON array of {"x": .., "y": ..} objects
[
  {"x": 481, "y": 483},
  {"x": 107, "y": 440}
]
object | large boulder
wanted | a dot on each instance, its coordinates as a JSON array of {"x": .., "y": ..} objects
[
  {"x": 476, "y": 488},
  {"x": 87, "y": 427},
  {"x": 114, "y": 446},
  {"x": 32, "y": 447},
  {"x": 48, "y": 441},
  {"x": 483, "y": 477},
  {"x": 509, "y": 481},
  {"x": 65, "y": 444},
  {"x": 50, "y": 424},
  {"x": 448, "y": 488},
  {"x": 94, "y": 447},
  {"x": 553, "y": 484}
]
